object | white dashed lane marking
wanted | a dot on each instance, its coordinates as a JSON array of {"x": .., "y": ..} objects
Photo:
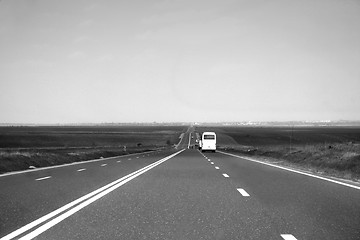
[
  {"x": 288, "y": 237},
  {"x": 43, "y": 178},
  {"x": 295, "y": 171},
  {"x": 103, "y": 165},
  {"x": 243, "y": 192},
  {"x": 82, "y": 169},
  {"x": 118, "y": 161},
  {"x": 32, "y": 229},
  {"x": 211, "y": 163},
  {"x": 225, "y": 175},
  {"x": 217, "y": 168}
]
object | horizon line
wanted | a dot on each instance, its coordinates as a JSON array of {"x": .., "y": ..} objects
[{"x": 186, "y": 122}]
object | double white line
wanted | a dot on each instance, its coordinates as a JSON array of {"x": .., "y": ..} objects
[{"x": 73, "y": 207}]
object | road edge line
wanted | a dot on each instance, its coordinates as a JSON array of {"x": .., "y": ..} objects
[
  {"x": 82, "y": 199},
  {"x": 69, "y": 164},
  {"x": 292, "y": 170}
]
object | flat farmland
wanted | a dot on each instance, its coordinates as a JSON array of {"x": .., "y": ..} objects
[
  {"x": 333, "y": 151},
  {"x": 39, "y": 146}
]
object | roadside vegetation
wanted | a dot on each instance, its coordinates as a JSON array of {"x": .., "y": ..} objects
[
  {"x": 331, "y": 151},
  {"x": 33, "y": 147}
]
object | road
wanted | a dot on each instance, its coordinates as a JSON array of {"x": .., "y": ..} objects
[{"x": 175, "y": 194}]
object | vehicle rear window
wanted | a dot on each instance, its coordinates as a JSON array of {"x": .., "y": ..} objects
[{"x": 209, "y": 136}]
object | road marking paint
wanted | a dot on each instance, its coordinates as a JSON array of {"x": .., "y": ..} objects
[
  {"x": 43, "y": 178},
  {"x": 189, "y": 141},
  {"x": 80, "y": 202},
  {"x": 137, "y": 157},
  {"x": 178, "y": 144},
  {"x": 243, "y": 192},
  {"x": 103, "y": 165},
  {"x": 211, "y": 163},
  {"x": 129, "y": 159},
  {"x": 295, "y": 171},
  {"x": 63, "y": 165},
  {"x": 225, "y": 175},
  {"x": 82, "y": 169},
  {"x": 217, "y": 167},
  {"x": 118, "y": 161},
  {"x": 288, "y": 237}
]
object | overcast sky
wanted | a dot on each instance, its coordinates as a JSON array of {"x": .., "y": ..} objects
[{"x": 164, "y": 60}]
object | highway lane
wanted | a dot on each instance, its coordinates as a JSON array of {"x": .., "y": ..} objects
[
  {"x": 183, "y": 198},
  {"x": 29, "y": 195},
  {"x": 189, "y": 196},
  {"x": 25, "y": 197},
  {"x": 311, "y": 208}
]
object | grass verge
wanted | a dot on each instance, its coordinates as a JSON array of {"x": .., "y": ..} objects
[
  {"x": 40, "y": 146},
  {"x": 17, "y": 160}
]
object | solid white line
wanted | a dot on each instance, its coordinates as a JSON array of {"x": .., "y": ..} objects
[
  {"x": 217, "y": 167},
  {"x": 43, "y": 178},
  {"x": 82, "y": 169},
  {"x": 225, "y": 175},
  {"x": 64, "y": 165},
  {"x": 88, "y": 197},
  {"x": 181, "y": 138},
  {"x": 243, "y": 192},
  {"x": 103, "y": 165},
  {"x": 288, "y": 237},
  {"x": 65, "y": 215},
  {"x": 189, "y": 141},
  {"x": 295, "y": 171}
]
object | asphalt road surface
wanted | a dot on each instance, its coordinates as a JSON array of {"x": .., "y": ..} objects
[{"x": 175, "y": 194}]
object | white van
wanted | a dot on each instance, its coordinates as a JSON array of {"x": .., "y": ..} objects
[{"x": 208, "y": 141}]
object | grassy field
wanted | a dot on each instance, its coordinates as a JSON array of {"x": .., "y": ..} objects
[
  {"x": 24, "y": 147},
  {"x": 333, "y": 151}
]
